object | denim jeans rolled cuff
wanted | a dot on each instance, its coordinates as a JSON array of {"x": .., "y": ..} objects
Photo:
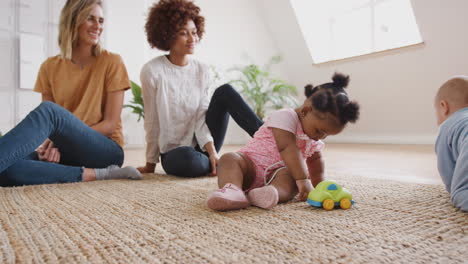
[
  {"x": 33, "y": 172},
  {"x": 79, "y": 146}
]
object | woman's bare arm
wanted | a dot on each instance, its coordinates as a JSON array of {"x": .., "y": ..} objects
[{"x": 112, "y": 111}]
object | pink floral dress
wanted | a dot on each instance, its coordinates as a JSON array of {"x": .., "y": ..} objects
[{"x": 262, "y": 149}]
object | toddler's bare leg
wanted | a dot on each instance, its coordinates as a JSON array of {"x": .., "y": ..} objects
[
  {"x": 285, "y": 185},
  {"x": 235, "y": 168},
  {"x": 282, "y": 189},
  {"x": 233, "y": 172}
]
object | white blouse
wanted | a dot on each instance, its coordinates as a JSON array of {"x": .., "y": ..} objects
[{"x": 176, "y": 99}]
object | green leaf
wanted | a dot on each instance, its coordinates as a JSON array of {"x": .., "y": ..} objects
[
  {"x": 137, "y": 104},
  {"x": 260, "y": 89}
]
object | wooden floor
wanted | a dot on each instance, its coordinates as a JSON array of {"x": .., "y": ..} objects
[{"x": 408, "y": 163}]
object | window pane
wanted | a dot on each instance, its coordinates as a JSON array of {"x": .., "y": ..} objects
[
  {"x": 337, "y": 29},
  {"x": 352, "y": 33},
  {"x": 395, "y": 25}
]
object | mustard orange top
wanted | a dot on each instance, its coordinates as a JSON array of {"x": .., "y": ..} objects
[{"x": 83, "y": 91}]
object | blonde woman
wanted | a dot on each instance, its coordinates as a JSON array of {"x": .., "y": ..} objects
[{"x": 78, "y": 122}]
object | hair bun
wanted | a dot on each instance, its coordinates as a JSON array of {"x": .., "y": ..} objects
[
  {"x": 350, "y": 112},
  {"x": 340, "y": 80},
  {"x": 323, "y": 101},
  {"x": 308, "y": 90}
]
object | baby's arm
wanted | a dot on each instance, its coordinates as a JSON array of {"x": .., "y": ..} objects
[
  {"x": 459, "y": 185},
  {"x": 292, "y": 157},
  {"x": 315, "y": 166}
]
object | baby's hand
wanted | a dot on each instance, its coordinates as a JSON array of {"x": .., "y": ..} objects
[{"x": 304, "y": 186}]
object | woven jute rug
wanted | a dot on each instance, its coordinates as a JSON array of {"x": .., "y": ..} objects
[{"x": 163, "y": 219}]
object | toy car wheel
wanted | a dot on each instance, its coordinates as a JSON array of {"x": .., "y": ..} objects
[
  {"x": 328, "y": 204},
  {"x": 345, "y": 203}
]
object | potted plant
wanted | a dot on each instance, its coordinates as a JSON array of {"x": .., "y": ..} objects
[
  {"x": 137, "y": 102},
  {"x": 263, "y": 91}
]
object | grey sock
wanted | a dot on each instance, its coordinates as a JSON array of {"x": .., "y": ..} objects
[{"x": 115, "y": 172}]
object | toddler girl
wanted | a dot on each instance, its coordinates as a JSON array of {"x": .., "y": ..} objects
[{"x": 271, "y": 168}]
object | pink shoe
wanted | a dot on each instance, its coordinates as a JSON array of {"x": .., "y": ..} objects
[
  {"x": 264, "y": 197},
  {"x": 230, "y": 197}
]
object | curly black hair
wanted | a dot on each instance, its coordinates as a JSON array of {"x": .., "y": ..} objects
[
  {"x": 332, "y": 98},
  {"x": 167, "y": 17}
]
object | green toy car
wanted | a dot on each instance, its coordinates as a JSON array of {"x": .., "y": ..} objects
[{"x": 329, "y": 194}]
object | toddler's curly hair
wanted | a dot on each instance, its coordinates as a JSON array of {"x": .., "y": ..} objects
[
  {"x": 332, "y": 98},
  {"x": 167, "y": 17}
]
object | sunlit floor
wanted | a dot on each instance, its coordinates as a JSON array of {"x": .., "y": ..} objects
[{"x": 409, "y": 163}]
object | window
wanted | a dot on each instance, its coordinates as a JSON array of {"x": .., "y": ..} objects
[{"x": 338, "y": 29}]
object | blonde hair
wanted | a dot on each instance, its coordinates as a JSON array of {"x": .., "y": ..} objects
[{"x": 74, "y": 13}]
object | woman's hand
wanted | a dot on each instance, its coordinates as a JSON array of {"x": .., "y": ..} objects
[
  {"x": 214, "y": 159},
  {"x": 47, "y": 152},
  {"x": 213, "y": 155},
  {"x": 304, "y": 186},
  {"x": 148, "y": 168}
]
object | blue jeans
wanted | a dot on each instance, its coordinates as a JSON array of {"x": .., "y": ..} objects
[
  {"x": 79, "y": 145},
  {"x": 193, "y": 162}
]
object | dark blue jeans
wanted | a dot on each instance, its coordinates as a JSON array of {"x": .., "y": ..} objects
[
  {"x": 79, "y": 145},
  {"x": 193, "y": 162}
]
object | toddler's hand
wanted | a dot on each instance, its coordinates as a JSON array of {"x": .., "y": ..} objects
[{"x": 304, "y": 186}]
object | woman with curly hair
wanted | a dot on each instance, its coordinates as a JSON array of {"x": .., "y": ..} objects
[
  {"x": 78, "y": 122},
  {"x": 185, "y": 126}
]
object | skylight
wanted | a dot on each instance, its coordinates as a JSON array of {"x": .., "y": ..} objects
[{"x": 338, "y": 29}]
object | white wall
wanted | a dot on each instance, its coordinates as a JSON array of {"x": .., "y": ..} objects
[
  {"x": 7, "y": 65},
  {"x": 395, "y": 88},
  {"x": 32, "y": 18},
  {"x": 234, "y": 29},
  {"x": 124, "y": 34}
]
